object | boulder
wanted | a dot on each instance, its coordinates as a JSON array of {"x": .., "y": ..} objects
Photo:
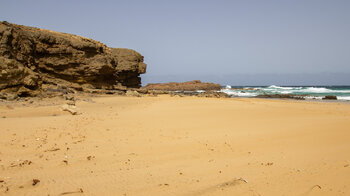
[
  {"x": 32, "y": 57},
  {"x": 330, "y": 97},
  {"x": 70, "y": 108}
]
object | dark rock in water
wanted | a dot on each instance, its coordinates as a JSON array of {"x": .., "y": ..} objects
[
  {"x": 184, "y": 86},
  {"x": 330, "y": 97},
  {"x": 282, "y": 96},
  {"x": 31, "y": 58}
]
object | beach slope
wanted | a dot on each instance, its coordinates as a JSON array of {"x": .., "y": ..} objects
[{"x": 175, "y": 146}]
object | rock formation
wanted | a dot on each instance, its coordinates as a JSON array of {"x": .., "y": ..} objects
[
  {"x": 282, "y": 96},
  {"x": 35, "y": 61},
  {"x": 330, "y": 97},
  {"x": 184, "y": 86}
]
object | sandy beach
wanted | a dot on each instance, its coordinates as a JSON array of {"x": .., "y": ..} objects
[{"x": 175, "y": 146}]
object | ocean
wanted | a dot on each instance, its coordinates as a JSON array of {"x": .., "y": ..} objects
[{"x": 308, "y": 92}]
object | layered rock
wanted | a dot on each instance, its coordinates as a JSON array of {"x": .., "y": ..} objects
[
  {"x": 33, "y": 60},
  {"x": 183, "y": 86}
]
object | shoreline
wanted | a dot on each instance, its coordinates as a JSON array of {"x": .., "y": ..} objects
[
  {"x": 88, "y": 97},
  {"x": 295, "y": 92}
]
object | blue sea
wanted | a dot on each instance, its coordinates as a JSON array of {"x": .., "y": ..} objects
[{"x": 309, "y": 92}]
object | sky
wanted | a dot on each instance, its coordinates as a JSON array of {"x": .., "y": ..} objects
[{"x": 247, "y": 42}]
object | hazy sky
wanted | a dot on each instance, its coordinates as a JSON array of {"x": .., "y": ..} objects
[{"x": 206, "y": 37}]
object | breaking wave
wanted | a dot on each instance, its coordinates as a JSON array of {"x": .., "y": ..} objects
[{"x": 309, "y": 92}]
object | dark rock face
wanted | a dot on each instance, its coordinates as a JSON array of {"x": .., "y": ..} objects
[
  {"x": 184, "y": 86},
  {"x": 330, "y": 97},
  {"x": 33, "y": 60}
]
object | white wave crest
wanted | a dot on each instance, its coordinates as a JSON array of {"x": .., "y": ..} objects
[
  {"x": 283, "y": 88},
  {"x": 313, "y": 97},
  {"x": 228, "y": 86},
  {"x": 344, "y": 98},
  {"x": 286, "y": 92},
  {"x": 238, "y": 93},
  {"x": 316, "y": 90},
  {"x": 322, "y": 90}
]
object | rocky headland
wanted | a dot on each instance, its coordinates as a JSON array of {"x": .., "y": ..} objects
[
  {"x": 36, "y": 62},
  {"x": 39, "y": 62}
]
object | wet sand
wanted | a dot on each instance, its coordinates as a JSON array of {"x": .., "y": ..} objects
[{"x": 175, "y": 146}]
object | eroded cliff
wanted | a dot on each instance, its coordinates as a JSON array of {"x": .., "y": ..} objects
[{"x": 35, "y": 61}]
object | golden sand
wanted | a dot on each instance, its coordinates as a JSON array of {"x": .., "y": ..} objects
[{"x": 176, "y": 146}]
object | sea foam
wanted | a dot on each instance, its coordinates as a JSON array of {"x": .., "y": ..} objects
[
  {"x": 238, "y": 93},
  {"x": 310, "y": 92},
  {"x": 344, "y": 98}
]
